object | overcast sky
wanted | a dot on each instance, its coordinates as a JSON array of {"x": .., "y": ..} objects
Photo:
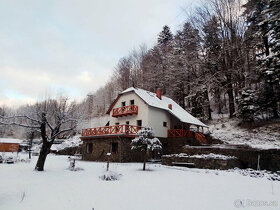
[{"x": 72, "y": 46}]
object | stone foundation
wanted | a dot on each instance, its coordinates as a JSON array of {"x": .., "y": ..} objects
[
  {"x": 205, "y": 163},
  {"x": 248, "y": 157},
  {"x": 102, "y": 146}
]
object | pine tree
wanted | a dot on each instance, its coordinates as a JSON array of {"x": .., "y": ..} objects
[
  {"x": 165, "y": 35},
  {"x": 248, "y": 106},
  {"x": 263, "y": 17},
  {"x": 146, "y": 142}
]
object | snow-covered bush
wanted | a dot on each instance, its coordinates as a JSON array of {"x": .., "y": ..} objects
[
  {"x": 273, "y": 176},
  {"x": 146, "y": 142},
  {"x": 110, "y": 176}
]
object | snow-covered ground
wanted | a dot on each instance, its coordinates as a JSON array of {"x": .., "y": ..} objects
[
  {"x": 161, "y": 187},
  {"x": 264, "y": 137}
]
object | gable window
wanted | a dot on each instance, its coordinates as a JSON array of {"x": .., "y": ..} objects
[
  {"x": 127, "y": 122},
  {"x": 164, "y": 124},
  {"x": 139, "y": 122},
  {"x": 89, "y": 147},
  {"x": 131, "y": 102},
  {"x": 123, "y": 103},
  {"x": 114, "y": 147}
]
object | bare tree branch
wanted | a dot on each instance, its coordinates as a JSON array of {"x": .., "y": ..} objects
[
  {"x": 50, "y": 126},
  {"x": 20, "y": 116},
  {"x": 64, "y": 130},
  {"x": 21, "y": 125}
]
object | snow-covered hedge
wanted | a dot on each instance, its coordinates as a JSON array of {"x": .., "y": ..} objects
[{"x": 204, "y": 156}]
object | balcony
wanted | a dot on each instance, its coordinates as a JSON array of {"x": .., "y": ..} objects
[
  {"x": 177, "y": 133},
  {"x": 111, "y": 130},
  {"x": 125, "y": 111}
]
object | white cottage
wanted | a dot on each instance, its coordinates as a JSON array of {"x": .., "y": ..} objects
[{"x": 135, "y": 108}]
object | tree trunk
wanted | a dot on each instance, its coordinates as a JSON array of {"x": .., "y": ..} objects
[
  {"x": 208, "y": 106},
  {"x": 230, "y": 96},
  {"x": 145, "y": 160},
  {"x": 219, "y": 103},
  {"x": 45, "y": 150}
]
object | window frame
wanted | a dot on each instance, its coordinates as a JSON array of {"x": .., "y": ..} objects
[
  {"x": 115, "y": 148},
  {"x": 89, "y": 148},
  {"x": 132, "y": 102},
  {"x": 138, "y": 123}
]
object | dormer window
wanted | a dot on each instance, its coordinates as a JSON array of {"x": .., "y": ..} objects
[
  {"x": 123, "y": 103},
  {"x": 131, "y": 102}
]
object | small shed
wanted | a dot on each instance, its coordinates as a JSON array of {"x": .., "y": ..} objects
[{"x": 9, "y": 145}]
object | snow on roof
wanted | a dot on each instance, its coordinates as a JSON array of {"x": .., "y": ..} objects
[
  {"x": 7, "y": 140},
  {"x": 152, "y": 100}
]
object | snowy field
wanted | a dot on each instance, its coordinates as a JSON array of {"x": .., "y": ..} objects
[{"x": 160, "y": 187}]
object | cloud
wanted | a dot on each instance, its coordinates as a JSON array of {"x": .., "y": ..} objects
[{"x": 69, "y": 45}]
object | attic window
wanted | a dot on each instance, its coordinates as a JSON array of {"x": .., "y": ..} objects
[
  {"x": 164, "y": 124},
  {"x": 131, "y": 102},
  {"x": 123, "y": 103}
]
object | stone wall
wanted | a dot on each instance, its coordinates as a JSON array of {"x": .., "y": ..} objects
[
  {"x": 208, "y": 163},
  {"x": 248, "y": 157},
  {"x": 102, "y": 146},
  {"x": 175, "y": 145}
]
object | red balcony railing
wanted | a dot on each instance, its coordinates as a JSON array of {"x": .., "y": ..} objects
[
  {"x": 180, "y": 133},
  {"x": 111, "y": 130},
  {"x": 186, "y": 133},
  {"x": 125, "y": 110}
]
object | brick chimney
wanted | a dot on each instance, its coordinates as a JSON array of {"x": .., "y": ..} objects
[
  {"x": 158, "y": 93},
  {"x": 170, "y": 106}
]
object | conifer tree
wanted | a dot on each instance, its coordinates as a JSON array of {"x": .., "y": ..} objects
[{"x": 146, "y": 142}]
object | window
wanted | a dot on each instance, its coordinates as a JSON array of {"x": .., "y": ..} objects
[
  {"x": 89, "y": 147},
  {"x": 123, "y": 103},
  {"x": 117, "y": 123},
  {"x": 139, "y": 122},
  {"x": 114, "y": 147},
  {"x": 127, "y": 122},
  {"x": 164, "y": 124},
  {"x": 131, "y": 102},
  {"x": 108, "y": 123}
]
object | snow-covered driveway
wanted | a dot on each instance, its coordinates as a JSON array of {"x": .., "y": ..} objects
[{"x": 160, "y": 187}]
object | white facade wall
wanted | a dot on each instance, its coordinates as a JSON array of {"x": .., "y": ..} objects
[
  {"x": 150, "y": 116},
  {"x": 142, "y": 110},
  {"x": 156, "y": 117}
]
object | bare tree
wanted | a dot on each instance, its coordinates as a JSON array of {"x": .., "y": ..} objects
[{"x": 50, "y": 118}]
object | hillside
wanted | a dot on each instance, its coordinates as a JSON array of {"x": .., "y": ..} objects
[{"x": 227, "y": 130}]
